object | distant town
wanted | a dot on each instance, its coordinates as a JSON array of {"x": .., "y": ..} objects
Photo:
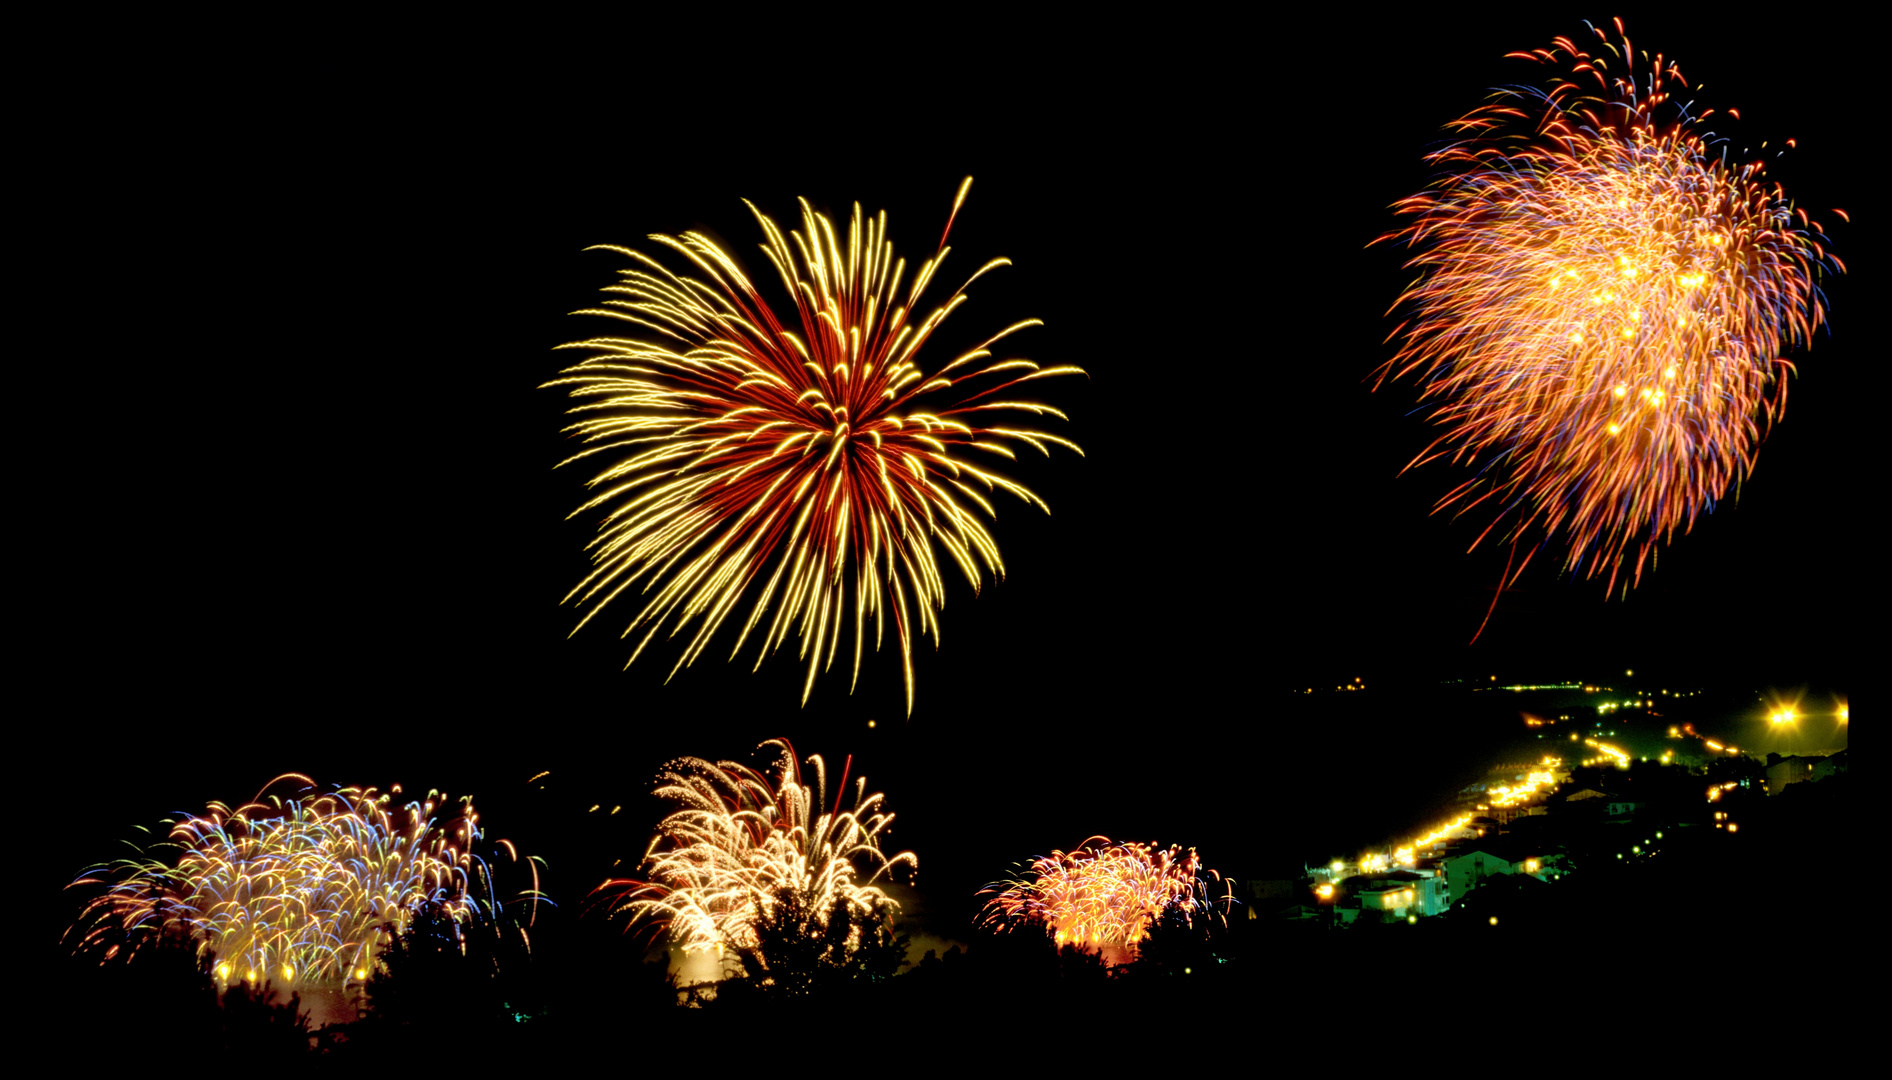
[{"x": 1601, "y": 796}]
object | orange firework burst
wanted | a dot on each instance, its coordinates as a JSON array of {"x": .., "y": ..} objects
[
  {"x": 824, "y": 449},
  {"x": 1103, "y": 893},
  {"x": 1602, "y": 308}
]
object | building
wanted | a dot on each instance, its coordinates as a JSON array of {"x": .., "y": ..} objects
[
  {"x": 1433, "y": 899},
  {"x": 1505, "y": 815},
  {"x": 1393, "y": 898},
  {"x": 1400, "y": 893},
  {"x": 1466, "y": 871},
  {"x": 1605, "y": 803},
  {"x": 1782, "y": 771}
]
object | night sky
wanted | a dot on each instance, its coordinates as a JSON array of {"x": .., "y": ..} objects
[{"x": 334, "y": 542}]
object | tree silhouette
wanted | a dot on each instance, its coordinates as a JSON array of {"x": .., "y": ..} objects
[
  {"x": 163, "y": 990},
  {"x": 797, "y": 953},
  {"x": 442, "y": 973}
]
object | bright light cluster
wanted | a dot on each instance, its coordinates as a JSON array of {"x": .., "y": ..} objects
[
  {"x": 739, "y": 841},
  {"x": 1689, "y": 730},
  {"x": 1388, "y": 901},
  {"x": 822, "y": 449},
  {"x": 1602, "y": 309},
  {"x": 1613, "y": 754},
  {"x": 1105, "y": 893},
  {"x": 299, "y": 891},
  {"x": 1406, "y": 856},
  {"x": 1535, "y": 783}
]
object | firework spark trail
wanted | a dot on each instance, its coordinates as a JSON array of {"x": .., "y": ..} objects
[
  {"x": 745, "y": 441},
  {"x": 1103, "y": 893},
  {"x": 1602, "y": 307},
  {"x": 737, "y": 840},
  {"x": 303, "y": 890}
]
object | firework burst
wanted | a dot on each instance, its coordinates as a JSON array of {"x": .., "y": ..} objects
[
  {"x": 739, "y": 845},
  {"x": 823, "y": 449},
  {"x": 300, "y": 891},
  {"x": 1603, "y": 302},
  {"x": 1104, "y": 893}
]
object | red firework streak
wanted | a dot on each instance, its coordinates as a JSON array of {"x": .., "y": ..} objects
[{"x": 822, "y": 449}]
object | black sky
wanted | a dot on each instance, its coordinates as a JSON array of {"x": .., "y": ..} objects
[{"x": 335, "y": 542}]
